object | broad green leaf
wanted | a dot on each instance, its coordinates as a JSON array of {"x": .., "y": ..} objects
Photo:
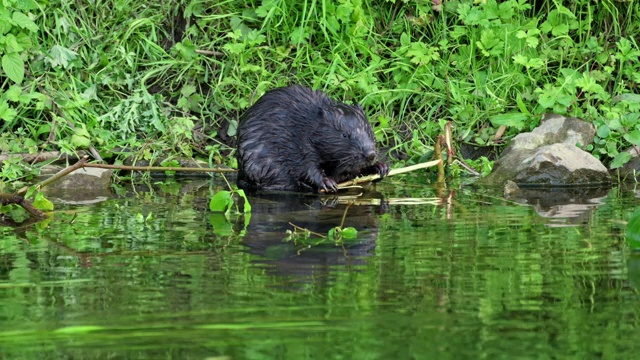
[
  {"x": 535, "y": 63},
  {"x": 221, "y": 201},
  {"x": 516, "y": 120},
  {"x": 5, "y": 20},
  {"x": 60, "y": 56},
  {"x": 246, "y": 208},
  {"x": 405, "y": 39},
  {"x": 187, "y": 90},
  {"x": 520, "y": 59},
  {"x": 82, "y": 131},
  {"x": 633, "y": 137},
  {"x": 11, "y": 44},
  {"x": 80, "y": 141},
  {"x": 266, "y": 7},
  {"x": 627, "y": 97},
  {"x": 24, "y": 21},
  {"x": 13, "y": 66},
  {"x": 299, "y": 35},
  {"x": 25, "y": 5},
  {"x": 7, "y": 113},
  {"x": 620, "y": 159},
  {"x": 560, "y": 29},
  {"x": 546, "y": 98},
  {"x": 603, "y": 132},
  {"x": 13, "y": 94}
]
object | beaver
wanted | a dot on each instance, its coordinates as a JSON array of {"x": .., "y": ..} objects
[{"x": 295, "y": 138}]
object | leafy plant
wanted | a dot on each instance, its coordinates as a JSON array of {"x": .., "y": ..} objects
[
  {"x": 174, "y": 79},
  {"x": 338, "y": 235}
]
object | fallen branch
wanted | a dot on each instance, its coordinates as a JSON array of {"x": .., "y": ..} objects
[
  {"x": 82, "y": 162},
  {"x": 12, "y": 199},
  {"x": 158, "y": 168},
  {"x": 42, "y": 156}
]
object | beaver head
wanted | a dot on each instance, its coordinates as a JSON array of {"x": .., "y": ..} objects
[{"x": 347, "y": 144}]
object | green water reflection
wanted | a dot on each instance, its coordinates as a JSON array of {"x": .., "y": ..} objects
[{"x": 480, "y": 277}]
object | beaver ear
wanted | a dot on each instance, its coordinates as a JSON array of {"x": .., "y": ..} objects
[
  {"x": 359, "y": 109},
  {"x": 326, "y": 114}
]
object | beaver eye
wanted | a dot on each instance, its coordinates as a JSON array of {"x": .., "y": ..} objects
[{"x": 345, "y": 135}]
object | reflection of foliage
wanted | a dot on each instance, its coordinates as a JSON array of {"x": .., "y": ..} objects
[
  {"x": 488, "y": 269},
  {"x": 338, "y": 235}
]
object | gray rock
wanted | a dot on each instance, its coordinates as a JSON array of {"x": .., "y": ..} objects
[
  {"x": 560, "y": 165},
  {"x": 548, "y": 156},
  {"x": 86, "y": 185}
]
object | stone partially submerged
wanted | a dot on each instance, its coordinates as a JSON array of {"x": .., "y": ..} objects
[{"x": 550, "y": 156}]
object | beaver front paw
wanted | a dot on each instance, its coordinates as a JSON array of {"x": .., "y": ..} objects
[
  {"x": 381, "y": 169},
  {"x": 328, "y": 185}
]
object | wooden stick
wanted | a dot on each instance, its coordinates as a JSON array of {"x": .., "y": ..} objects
[
  {"x": 157, "y": 168},
  {"x": 57, "y": 176},
  {"x": 369, "y": 178}
]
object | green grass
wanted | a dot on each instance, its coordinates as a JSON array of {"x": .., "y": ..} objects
[{"x": 138, "y": 75}]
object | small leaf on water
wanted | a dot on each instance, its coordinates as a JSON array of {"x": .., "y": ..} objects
[
  {"x": 333, "y": 233},
  {"x": 633, "y": 230},
  {"x": 246, "y": 207},
  {"x": 42, "y": 203},
  {"x": 221, "y": 201},
  {"x": 349, "y": 233}
]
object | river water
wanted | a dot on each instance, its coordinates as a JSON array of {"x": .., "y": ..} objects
[{"x": 445, "y": 274}]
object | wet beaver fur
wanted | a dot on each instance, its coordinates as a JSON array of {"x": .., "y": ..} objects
[{"x": 295, "y": 138}]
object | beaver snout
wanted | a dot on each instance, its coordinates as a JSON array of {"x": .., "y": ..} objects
[{"x": 370, "y": 156}]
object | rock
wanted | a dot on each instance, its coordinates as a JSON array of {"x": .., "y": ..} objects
[
  {"x": 560, "y": 165},
  {"x": 548, "y": 156},
  {"x": 86, "y": 185},
  {"x": 511, "y": 189}
]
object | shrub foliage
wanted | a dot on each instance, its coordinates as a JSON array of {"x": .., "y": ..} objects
[{"x": 153, "y": 77}]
